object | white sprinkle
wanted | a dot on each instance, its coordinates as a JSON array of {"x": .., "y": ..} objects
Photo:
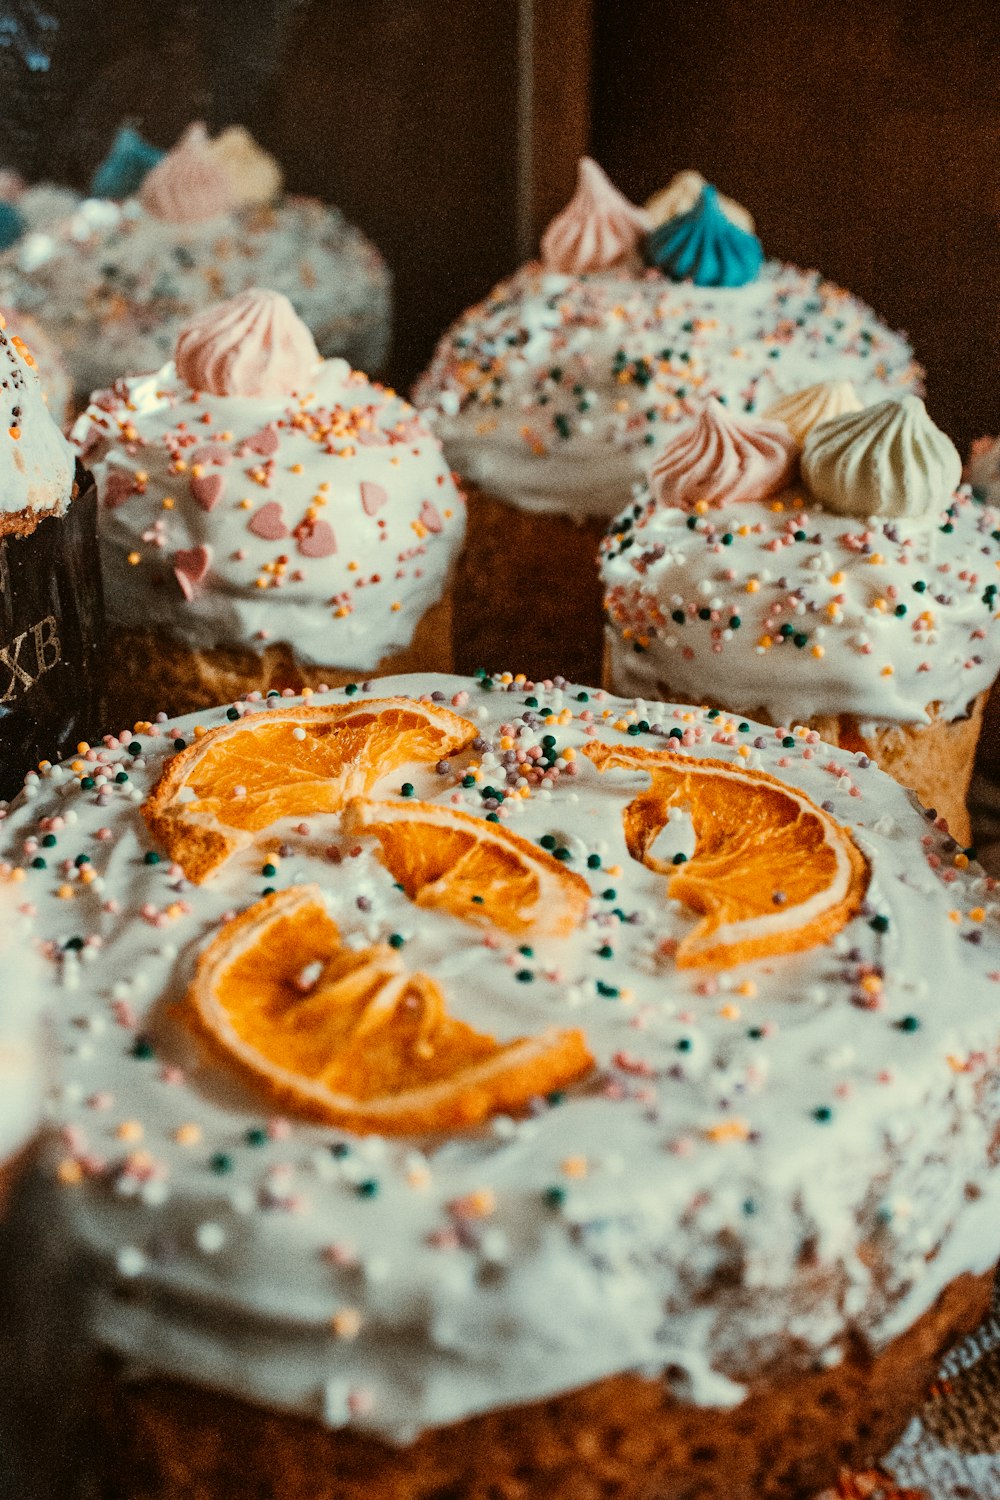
[
  {"x": 131, "y": 1261},
  {"x": 210, "y": 1238}
]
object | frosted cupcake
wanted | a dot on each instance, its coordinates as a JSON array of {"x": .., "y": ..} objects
[
  {"x": 34, "y": 344},
  {"x": 856, "y": 598},
  {"x": 550, "y": 394},
  {"x": 51, "y": 604},
  {"x": 113, "y": 278},
  {"x": 268, "y": 519},
  {"x": 591, "y": 1091}
]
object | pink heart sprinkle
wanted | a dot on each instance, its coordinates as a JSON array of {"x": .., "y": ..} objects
[
  {"x": 211, "y": 453},
  {"x": 373, "y": 497},
  {"x": 316, "y": 539},
  {"x": 207, "y": 490},
  {"x": 190, "y": 566},
  {"x": 263, "y": 442},
  {"x": 430, "y": 517},
  {"x": 119, "y": 486},
  {"x": 269, "y": 522}
]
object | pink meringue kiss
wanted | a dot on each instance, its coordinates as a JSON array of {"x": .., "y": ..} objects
[
  {"x": 253, "y": 345},
  {"x": 188, "y": 185},
  {"x": 720, "y": 458},
  {"x": 598, "y": 229}
]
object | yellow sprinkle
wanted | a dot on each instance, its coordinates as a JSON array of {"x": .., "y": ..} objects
[
  {"x": 961, "y": 861},
  {"x": 836, "y": 578},
  {"x": 129, "y": 1130},
  {"x": 621, "y": 724},
  {"x": 346, "y": 1323},
  {"x": 65, "y": 893},
  {"x": 69, "y": 1172},
  {"x": 575, "y": 1166},
  {"x": 396, "y": 607},
  {"x": 888, "y": 671},
  {"x": 188, "y": 1135},
  {"x": 954, "y": 916},
  {"x": 818, "y": 652},
  {"x": 134, "y": 558},
  {"x": 728, "y": 1130},
  {"x": 744, "y": 751},
  {"x": 871, "y": 984},
  {"x": 167, "y": 502},
  {"x": 977, "y": 914},
  {"x": 752, "y": 585},
  {"x": 613, "y": 870},
  {"x": 730, "y": 1012},
  {"x": 748, "y": 988}
]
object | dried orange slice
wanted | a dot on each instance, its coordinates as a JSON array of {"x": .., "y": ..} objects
[
  {"x": 235, "y": 781},
  {"x": 353, "y": 1039},
  {"x": 476, "y": 870},
  {"x": 771, "y": 872}
]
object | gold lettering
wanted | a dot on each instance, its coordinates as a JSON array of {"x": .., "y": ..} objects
[
  {"x": 48, "y": 647},
  {"x": 18, "y": 676}
]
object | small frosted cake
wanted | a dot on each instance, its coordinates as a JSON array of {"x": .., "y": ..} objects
[
  {"x": 481, "y": 1090},
  {"x": 51, "y": 605},
  {"x": 268, "y": 519},
  {"x": 112, "y": 279},
  {"x": 822, "y": 565},
  {"x": 550, "y": 394}
]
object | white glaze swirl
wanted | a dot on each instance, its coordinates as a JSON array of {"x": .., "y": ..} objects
[
  {"x": 889, "y": 459},
  {"x": 803, "y": 410}
]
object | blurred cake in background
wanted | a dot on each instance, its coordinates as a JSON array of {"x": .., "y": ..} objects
[
  {"x": 268, "y": 519},
  {"x": 856, "y": 598},
  {"x": 549, "y": 395},
  {"x": 51, "y": 603},
  {"x": 21, "y": 1067},
  {"x": 114, "y": 276}
]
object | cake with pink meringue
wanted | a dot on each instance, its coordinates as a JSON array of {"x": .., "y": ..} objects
[
  {"x": 551, "y": 393},
  {"x": 112, "y": 280},
  {"x": 821, "y": 567},
  {"x": 269, "y": 519}
]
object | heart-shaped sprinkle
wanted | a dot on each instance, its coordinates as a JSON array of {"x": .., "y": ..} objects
[
  {"x": 373, "y": 497},
  {"x": 264, "y": 442},
  {"x": 207, "y": 490},
  {"x": 430, "y": 517},
  {"x": 316, "y": 539},
  {"x": 211, "y": 453},
  {"x": 119, "y": 486},
  {"x": 190, "y": 566},
  {"x": 269, "y": 522}
]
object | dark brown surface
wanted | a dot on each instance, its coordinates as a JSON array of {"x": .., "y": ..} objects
[
  {"x": 864, "y": 139},
  {"x": 51, "y": 638},
  {"x": 624, "y": 1438},
  {"x": 527, "y": 594}
]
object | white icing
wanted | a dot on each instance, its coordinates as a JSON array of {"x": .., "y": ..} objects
[
  {"x": 840, "y": 587},
  {"x": 318, "y": 454},
  {"x": 21, "y": 1074},
  {"x": 498, "y": 407},
  {"x": 671, "y": 1251},
  {"x": 889, "y": 459},
  {"x": 36, "y": 461},
  {"x": 112, "y": 284}
]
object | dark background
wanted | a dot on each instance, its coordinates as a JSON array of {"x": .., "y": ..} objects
[{"x": 864, "y": 139}]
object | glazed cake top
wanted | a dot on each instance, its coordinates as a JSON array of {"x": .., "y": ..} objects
[
  {"x": 865, "y": 584},
  {"x": 113, "y": 276},
  {"x": 36, "y": 461},
  {"x": 252, "y": 492},
  {"x": 551, "y": 392},
  {"x": 690, "y": 1152}
]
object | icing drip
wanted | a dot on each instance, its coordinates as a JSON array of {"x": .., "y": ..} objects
[
  {"x": 889, "y": 459},
  {"x": 126, "y": 166},
  {"x": 681, "y": 195},
  {"x": 189, "y": 184},
  {"x": 705, "y": 246},
  {"x": 597, "y": 230},
  {"x": 801, "y": 411},
  {"x": 254, "y": 175},
  {"x": 253, "y": 345},
  {"x": 720, "y": 459},
  {"x": 36, "y": 461}
]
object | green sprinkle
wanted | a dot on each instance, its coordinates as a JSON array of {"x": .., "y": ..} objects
[
  {"x": 351, "y": 689},
  {"x": 268, "y": 890},
  {"x": 610, "y": 894},
  {"x": 555, "y": 1196},
  {"x": 583, "y": 697},
  {"x": 180, "y": 744},
  {"x": 477, "y": 900},
  {"x": 606, "y": 951},
  {"x": 743, "y": 728},
  {"x": 684, "y": 1044},
  {"x": 121, "y": 777},
  {"x": 396, "y": 940},
  {"x": 531, "y": 702},
  {"x": 143, "y": 1049},
  {"x": 151, "y": 857},
  {"x": 524, "y": 976},
  {"x": 609, "y": 991},
  {"x": 593, "y": 861},
  {"x": 136, "y": 749},
  {"x": 879, "y": 924},
  {"x": 269, "y": 870},
  {"x": 562, "y": 854},
  {"x": 232, "y": 714},
  {"x": 368, "y": 1188},
  {"x": 823, "y": 1114},
  {"x": 908, "y": 1024},
  {"x": 49, "y": 841},
  {"x": 38, "y": 863},
  {"x": 221, "y": 1163},
  {"x": 788, "y": 743},
  {"x": 680, "y": 859},
  {"x": 468, "y": 781},
  {"x": 256, "y": 1136},
  {"x": 87, "y": 783},
  {"x": 528, "y": 952},
  {"x": 548, "y": 841},
  {"x": 900, "y": 611},
  {"x": 735, "y": 622},
  {"x": 406, "y": 790}
]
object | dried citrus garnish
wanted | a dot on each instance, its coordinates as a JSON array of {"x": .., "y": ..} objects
[
  {"x": 235, "y": 781},
  {"x": 351, "y": 1037},
  {"x": 476, "y": 870},
  {"x": 771, "y": 872}
]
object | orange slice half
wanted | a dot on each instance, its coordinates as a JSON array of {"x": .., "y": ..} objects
[
  {"x": 475, "y": 870},
  {"x": 771, "y": 872},
  {"x": 351, "y": 1037},
  {"x": 230, "y": 784}
]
